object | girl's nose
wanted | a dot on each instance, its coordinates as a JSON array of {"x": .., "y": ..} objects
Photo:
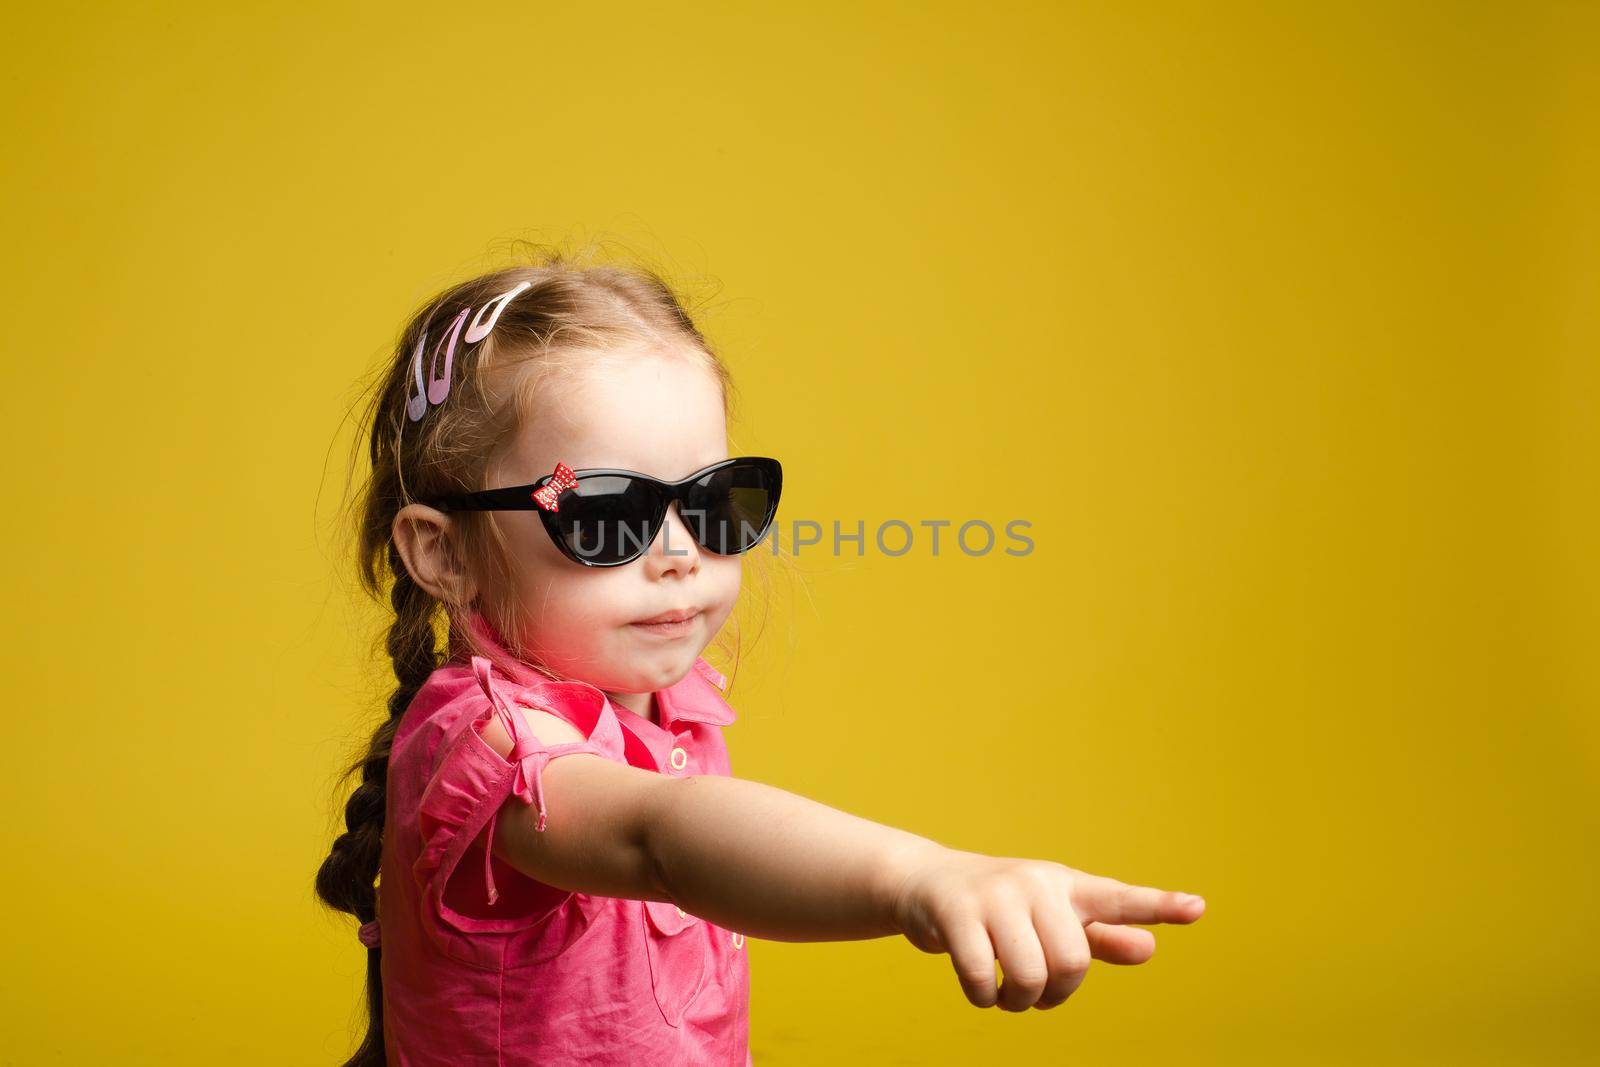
[{"x": 675, "y": 547}]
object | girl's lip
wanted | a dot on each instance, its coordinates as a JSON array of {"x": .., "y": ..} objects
[
  {"x": 668, "y": 630},
  {"x": 668, "y": 617}
]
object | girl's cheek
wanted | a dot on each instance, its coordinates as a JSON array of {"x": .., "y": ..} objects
[
  {"x": 729, "y": 578},
  {"x": 568, "y": 614}
]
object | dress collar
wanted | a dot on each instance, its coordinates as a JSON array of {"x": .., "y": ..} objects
[
  {"x": 696, "y": 697},
  {"x": 693, "y": 698}
]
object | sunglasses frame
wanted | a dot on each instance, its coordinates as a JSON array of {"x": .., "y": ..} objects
[{"x": 520, "y": 498}]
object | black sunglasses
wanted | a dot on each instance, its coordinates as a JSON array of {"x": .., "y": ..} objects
[{"x": 611, "y": 517}]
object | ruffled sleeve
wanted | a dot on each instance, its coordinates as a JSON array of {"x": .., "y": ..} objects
[{"x": 471, "y": 782}]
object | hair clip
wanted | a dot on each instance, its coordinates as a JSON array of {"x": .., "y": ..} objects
[
  {"x": 431, "y": 392},
  {"x": 480, "y": 329},
  {"x": 560, "y": 481}
]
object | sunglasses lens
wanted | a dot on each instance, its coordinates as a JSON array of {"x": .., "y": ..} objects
[
  {"x": 729, "y": 510},
  {"x": 605, "y": 519}
]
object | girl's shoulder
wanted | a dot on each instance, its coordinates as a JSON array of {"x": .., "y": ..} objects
[
  {"x": 464, "y": 692},
  {"x": 448, "y": 698}
]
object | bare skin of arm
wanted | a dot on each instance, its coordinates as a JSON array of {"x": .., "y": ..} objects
[{"x": 772, "y": 864}]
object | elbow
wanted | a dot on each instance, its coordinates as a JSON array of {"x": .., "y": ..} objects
[{"x": 657, "y": 834}]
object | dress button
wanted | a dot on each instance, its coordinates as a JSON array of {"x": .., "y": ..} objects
[
  {"x": 682, "y": 914},
  {"x": 679, "y": 758},
  {"x": 738, "y": 941}
]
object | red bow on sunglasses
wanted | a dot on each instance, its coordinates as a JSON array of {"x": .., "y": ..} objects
[{"x": 562, "y": 480}]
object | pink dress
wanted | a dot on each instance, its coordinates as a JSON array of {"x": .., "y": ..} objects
[{"x": 484, "y": 966}]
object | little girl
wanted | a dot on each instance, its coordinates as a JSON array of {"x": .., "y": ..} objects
[{"x": 565, "y": 870}]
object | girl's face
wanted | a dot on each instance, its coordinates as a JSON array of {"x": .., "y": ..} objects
[{"x": 650, "y": 412}]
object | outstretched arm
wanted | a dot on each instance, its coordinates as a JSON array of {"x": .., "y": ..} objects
[
  {"x": 775, "y": 865},
  {"x": 747, "y": 856}
]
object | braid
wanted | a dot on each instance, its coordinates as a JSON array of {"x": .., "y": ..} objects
[{"x": 346, "y": 880}]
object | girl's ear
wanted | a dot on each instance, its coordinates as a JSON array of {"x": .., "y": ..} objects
[{"x": 425, "y": 538}]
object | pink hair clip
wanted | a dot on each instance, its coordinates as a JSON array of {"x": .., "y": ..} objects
[
  {"x": 560, "y": 481},
  {"x": 432, "y": 391}
]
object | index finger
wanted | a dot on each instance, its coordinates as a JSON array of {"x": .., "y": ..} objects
[{"x": 1107, "y": 900}]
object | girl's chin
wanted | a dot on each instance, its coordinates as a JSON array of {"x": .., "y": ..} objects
[{"x": 650, "y": 669}]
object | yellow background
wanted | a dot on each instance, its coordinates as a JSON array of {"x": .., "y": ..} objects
[{"x": 1277, "y": 323}]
